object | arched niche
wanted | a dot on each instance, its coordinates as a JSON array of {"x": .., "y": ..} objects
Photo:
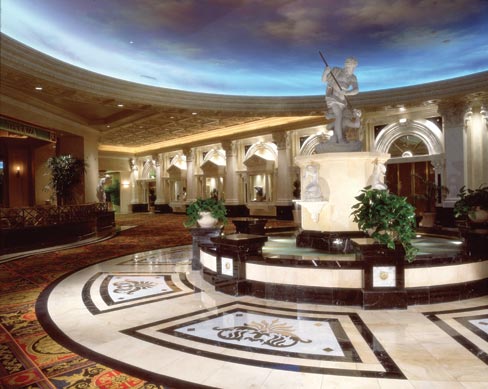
[
  {"x": 177, "y": 166},
  {"x": 148, "y": 170},
  {"x": 214, "y": 163},
  {"x": 177, "y": 178},
  {"x": 260, "y": 161},
  {"x": 261, "y": 157},
  {"x": 147, "y": 182},
  {"x": 213, "y": 168}
]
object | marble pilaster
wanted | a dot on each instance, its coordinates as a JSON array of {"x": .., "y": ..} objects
[
  {"x": 134, "y": 175},
  {"x": 453, "y": 113},
  {"x": 190, "y": 174},
  {"x": 283, "y": 180},
  {"x": 159, "y": 188},
  {"x": 476, "y": 137},
  {"x": 231, "y": 178}
]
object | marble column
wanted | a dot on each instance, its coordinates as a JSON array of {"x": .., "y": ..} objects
[
  {"x": 231, "y": 178},
  {"x": 134, "y": 175},
  {"x": 476, "y": 146},
  {"x": 453, "y": 113},
  {"x": 284, "y": 176},
  {"x": 159, "y": 188},
  {"x": 90, "y": 148},
  {"x": 190, "y": 174},
  {"x": 439, "y": 168}
]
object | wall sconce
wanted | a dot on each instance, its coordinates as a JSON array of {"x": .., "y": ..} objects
[
  {"x": 125, "y": 184},
  {"x": 17, "y": 171}
]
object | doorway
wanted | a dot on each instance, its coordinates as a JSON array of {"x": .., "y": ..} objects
[{"x": 416, "y": 181}]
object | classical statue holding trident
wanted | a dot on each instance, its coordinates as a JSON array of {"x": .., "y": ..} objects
[{"x": 341, "y": 82}]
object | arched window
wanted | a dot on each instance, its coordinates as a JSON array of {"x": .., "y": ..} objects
[{"x": 408, "y": 146}]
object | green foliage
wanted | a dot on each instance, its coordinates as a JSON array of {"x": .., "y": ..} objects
[
  {"x": 214, "y": 206},
  {"x": 114, "y": 191},
  {"x": 469, "y": 199},
  {"x": 390, "y": 217},
  {"x": 66, "y": 171}
]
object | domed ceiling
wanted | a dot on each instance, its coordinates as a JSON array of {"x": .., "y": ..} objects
[{"x": 257, "y": 47}]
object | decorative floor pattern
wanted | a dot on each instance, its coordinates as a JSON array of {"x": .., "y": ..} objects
[
  {"x": 105, "y": 292},
  {"x": 280, "y": 338},
  {"x": 152, "y": 317},
  {"x": 81, "y": 334}
]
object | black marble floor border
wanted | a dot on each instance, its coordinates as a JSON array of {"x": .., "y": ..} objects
[
  {"x": 462, "y": 340},
  {"x": 465, "y": 321},
  {"x": 391, "y": 369}
]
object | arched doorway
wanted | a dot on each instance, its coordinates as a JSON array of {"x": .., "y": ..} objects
[{"x": 415, "y": 169}]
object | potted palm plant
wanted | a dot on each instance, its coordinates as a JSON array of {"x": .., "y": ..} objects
[
  {"x": 387, "y": 218},
  {"x": 430, "y": 194},
  {"x": 472, "y": 204},
  {"x": 206, "y": 212},
  {"x": 66, "y": 172}
]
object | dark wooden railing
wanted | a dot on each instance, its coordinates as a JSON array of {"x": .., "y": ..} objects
[
  {"x": 15, "y": 218},
  {"x": 31, "y": 227}
]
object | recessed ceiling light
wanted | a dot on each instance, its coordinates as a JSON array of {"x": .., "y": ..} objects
[
  {"x": 194, "y": 113},
  {"x": 120, "y": 105},
  {"x": 38, "y": 87}
]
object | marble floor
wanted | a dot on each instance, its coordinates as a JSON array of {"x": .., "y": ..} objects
[{"x": 151, "y": 316}]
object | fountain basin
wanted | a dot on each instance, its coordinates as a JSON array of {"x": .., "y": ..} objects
[{"x": 440, "y": 273}]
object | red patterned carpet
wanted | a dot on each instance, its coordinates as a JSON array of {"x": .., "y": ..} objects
[{"x": 29, "y": 358}]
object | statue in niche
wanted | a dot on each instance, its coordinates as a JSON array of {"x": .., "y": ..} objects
[
  {"x": 101, "y": 196},
  {"x": 259, "y": 193},
  {"x": 312, "y": 191},
  {"x": 377, "y": 179},
  {"x": 341, "y": 82}
]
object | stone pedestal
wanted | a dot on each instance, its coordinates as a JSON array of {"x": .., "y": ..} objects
[
  {"x": 475, "y": 239},
  {"x": 337, "y": 179},
  {"x": 250, "y": 225},
  {"x": 232, "y": 252},
  {"x": 341, "y": 177},
  {"x": 383, "y": 274},
  {"x": 201, "y": 236}
]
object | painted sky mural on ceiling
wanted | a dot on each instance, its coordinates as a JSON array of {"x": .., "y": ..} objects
[{"x": 257, "y": 47}]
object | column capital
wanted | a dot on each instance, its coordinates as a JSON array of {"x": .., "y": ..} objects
[
  {"x": 438, "y": 164},
  {"x": 453, "y": 112},
  {"x": 229, "y": 146},
  {"x": 281, "y": 139},
  {"x": 189, "y": 153}
]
